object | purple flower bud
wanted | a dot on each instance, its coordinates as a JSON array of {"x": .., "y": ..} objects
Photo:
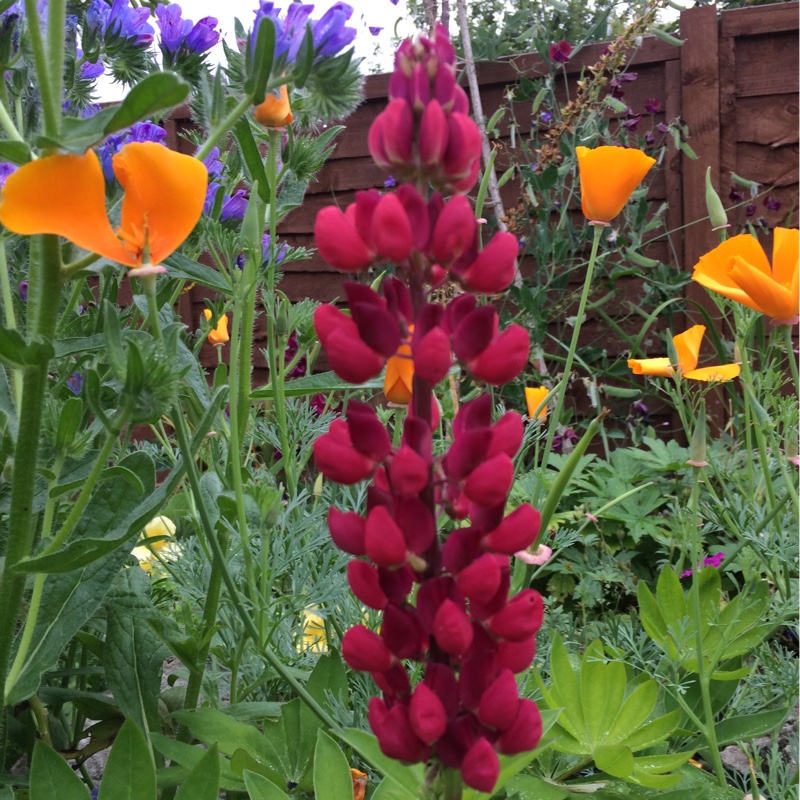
[
  {"x": 560, "y": 51},
  {"x": 23, "y": 291},
  {"x": 331, "y": 35},
  {"x": 203, "y": 35},
  {"x": 91, "y": 71},
  {"x": 650, "y": 139},
  {"x": 736, "y": 196},
  {"x": 75, "y": 382},
  {"x": 546, "y": 117},
  {"x": 234, "y": 207},
  {"x": 652, "y": 105},
  {"x": 389, "y": 182},
  {"x": 213, "y": 164},
  {"x": 662, "y": 128},
  {"x": 375, "y": 31},
  {"x": 631, "y": 122},
  {"x": 174, "y": 29},
  {"x": 124, "y": 22},
  {"x": 772, "y": 203}
]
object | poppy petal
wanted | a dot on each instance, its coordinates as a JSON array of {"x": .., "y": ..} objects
[
  {"x": 713, "y": 270},
  {"x": 765, "y": 294},
  {"x": 609, "y": 175},
  {"x": 718, "y": 374},
  {"x": 534, "y": 397},
  {"x": 63, "y": 195},
  {"x": 164, "y": 196},
  {"x": 687, "y": 346},
  {"x": 398, "y": 381},
  {"x": 651, "y": 366},
  {"x": 785, "y": 255}
]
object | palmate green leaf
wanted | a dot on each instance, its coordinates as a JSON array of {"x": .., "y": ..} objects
[
  {"x": 529, "y": 787},
  {"x": 332, "y": 780},
  {"x": 130, "y": 772},
  {"x": 638, "y": 706},
  {"x": 602, "y": 691},
  {"x": 52, "y": 777},
  {"x": 566, "y": 690},
  {"x": 616, "y": 760},
  {"x": 133, "y": 656},
  {"x": 203, "y": 781},
  {"x": 653, "y": 732},
  {"x": 652, "y": 621},
  {"x": 296, "y": 733}
]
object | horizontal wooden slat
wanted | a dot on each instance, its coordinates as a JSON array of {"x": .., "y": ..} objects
[
  {"x": 759, "y": 19},
  {"x": 771, "y": 120},
  {"x": 766, "y": 64}
]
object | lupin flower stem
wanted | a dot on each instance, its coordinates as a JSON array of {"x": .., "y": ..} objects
[{"x": 573, "y": 345}]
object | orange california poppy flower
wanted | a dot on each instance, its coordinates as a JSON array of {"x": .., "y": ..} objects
[
  {"x": 739, "y": 269},
  {"x": 534, "y": 397},
  {"x": 275, "y": 111},
  {"x": 65, "y": 195},
  {"x": 687, "y": 348},
  {"x": 359, "y": 783},
  {"x": 399, "y": 378},
  {"x": 609, "y": 175},
  {"x": 218, "y": 335}
]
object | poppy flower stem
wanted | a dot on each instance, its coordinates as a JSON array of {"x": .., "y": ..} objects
[
  {"x": 573, "y": 345},
  {"x": 149, "y": 286},
  {"x": 791, "y": 355}
]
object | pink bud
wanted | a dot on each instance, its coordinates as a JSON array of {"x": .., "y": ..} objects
[
  {"x": 454, "y": 231},
  {"x": 392, "y": 229},
  {"x": 420, "y": 88},
  {"x": 398, "y": 131},
  {"x": 444, "y": 87},
  {"x": 366, "y": 431},
  {"x": 460, "y": 549},
  {"x": 500, "y": 702},
  {"x": 481, "y": 579},
  {"x": 493, "y": 270},
  {"x": 396, "y": 583},
  {"x": 394, "y": 683},
  {"x": 460, "y": 101},
  {"x": 347, "y": 531},
  {"x": 336, "y": 457},
  {"x": 432, "y": 356},
  {"x": 417, "y": 523},
  {"x": 452, "y": 628},
  {"x": 504, "y": 358},
  {"x": 339, "y": 242},
  {"x": 463, "y": 145},
  {"x": 464, "y": 184},
  {"x": 481, "y": 767},
  {"x": 402, "y": 632},
  {"x": 516, "y": 656},
  {"x": 365, "y": 584},
  {"x": 521, "y": 617},
  {"x": 467, "y": 452},
  {"x": 395, "y": 735},
  {"x": 432, "y": 593},
  {"x": 432, "y": 134},
  {"x": 442, "y": 681},
  {"x": 490, "y": 483},
  {"x": 365, "y": 651},
  {"x": 408, "y": 472},
  {"x": 427, "y": 715},
  {"x": 375, "y": 142},
  {"x": 377, "y": 327},
  {"x": 458, "y": 738},
  {"x": 507, "y": 434},
  {"x": 383, "y": 540},
  {"x": 361, "y": 213},
  {"x": 516, "y": 532},
  {"x": 524, "y": 733}
]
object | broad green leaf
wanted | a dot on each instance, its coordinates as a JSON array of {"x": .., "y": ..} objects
[
  {"x": 134, "y": 656},
  {"x": 366, "y": 745},
  {"x": 707, "y": 582},
  {"x": 16, "y": 152},
  {"x": 179, "y": 266},
  {"x": 52, "y": 777},
  {"x": 389, "y": 790},
  {"x": 616, "y": 760},
  {"x": 214, "y": 727},
  {"x": 652, "y": 621},
  {"x": 332, "y": 779},
  {"x": 130, "y": 773},
  {"x": 529, "y": 787},
  {"x": 321, "y": 383},
  {"x": 748, "y": 726},
  {"x": 566, "y": 690},
  {"x": 251, "y": 156},
  {"x": 241, "y": 761},
  {"x": 653, "y": 732},
  {"x": 296, "y": 732},
  {"x": 638, "y": 706},
  {"x": 189, "y": 756},
  {"x": 157, "y": 92},
  {"x": 329, "y": 677},
  {"x": 602, "y": 692},
  {"x": 253, "y": 711},
  {"x": 78, "y": 134},
  {"x": 203, "y": 780},
  {"x": 671, "y": 600},
  {"x": 260, "y": 788}
]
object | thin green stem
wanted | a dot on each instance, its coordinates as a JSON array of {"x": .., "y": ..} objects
[
  {"x": 8, "y": 125},
  {"x": 51, "y": 101},
  {"x": 223, "y": 127},
  {"x": 72, "y": 301},
  {"x": 149, "y": 286},
  {"x": 573, "y": 346},
  {"x": 56, "y": 19},
  {"x": 76, "y": 266},
  {"x": 790, "y": 354},
  {"x": 10, "y": 318}
]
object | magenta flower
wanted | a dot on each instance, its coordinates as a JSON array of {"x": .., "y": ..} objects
[
  {"x": 560, "y": 51},
  {"x": 708, "y": 561}
]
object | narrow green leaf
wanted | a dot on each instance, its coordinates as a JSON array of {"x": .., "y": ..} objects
[
  {"x": 260, "y": 788},
  {"x": 616, "y": 760},
  {"x": 251, "y": 157},
  {"x": 332, "y": 780},
  {"x": 262, "y": 60},
  {"x": 189, "y": 757},
  {"x": 51, "y": 777},
  {"x": 16, "y": 152},
  {"x": 665, "y": 763},
  {"x": 748, "y": 726},
  {"x": 671, "y": 600},
  {"x": 652, "y": 621},
  {"x": 638, "y": 706},
  {"x": 130, "y": 773},
  {"x": 180, "y": 266},
  {"x": 320, "y": 383},
  {"x": 158, "y": 91},
  {"x": 653, "y": 732},
  {"x": 566, "y": 685},
  {"x": 529, "y": 787},
  {"x": 203, "y": 780},
  {"x": 366, "y": 745},
  {"x": 602, "y": 692}
]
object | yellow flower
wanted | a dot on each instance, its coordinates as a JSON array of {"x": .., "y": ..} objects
[
  {"x": 157, "y": 539},
  {"x": 534, "y": 397},
  {"x": 399, "y": 378},
  {"x": 275, "y": 111},
  {"x": 218, "y": 335},
  {"x": 687, "y": 347},
  {"x": 314, "y": 638},
  {"x": 65, "y": 195},
  {"x": 739, "y": 269},
  {"x": 609, "y": 176}
]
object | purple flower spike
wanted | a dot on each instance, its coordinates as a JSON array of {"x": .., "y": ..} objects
[
  {"x": 560, "y": 51},
  {"x": 652, "y": 105},
  {"x": 123, "y": 22}
]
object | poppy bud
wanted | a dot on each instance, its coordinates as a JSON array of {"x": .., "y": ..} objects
[
  {"x": 500, "y": 702},
  {"x": 426, "y": 714},
  {"x": 365, "y": 651},
  {"x": 365, "y": 584},
  {"x": 347, "y": 531},
  {"x": 408, "y": 471},
  {"x": 480, "y": 579},
  {"x": 493, "y": 270},
  {"x": 392, "y": 230},
  {"x": 383, "y": 539},
  {"x": 481, "y": 767},
  {"x": 336, "y": 457},
  {"x": 516, "y": 532},
  {"x": 504, "y": 358},
  {"x": 489, "y": 483},
  {"x": 525, "y": 731},
  {"x": 338, "y": 241},
  {"x": 521, "y": 617},
  {"x": 452, "y": 628},
  {"x": 274, "y": 111}
]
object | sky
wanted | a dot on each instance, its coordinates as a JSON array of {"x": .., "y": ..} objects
[{"x": 367, "y": 13}]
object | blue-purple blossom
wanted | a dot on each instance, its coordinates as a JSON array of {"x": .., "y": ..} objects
[
  {"x": 23, "y": 291},
  {"x": 120, "y": 21},
  {"x": 75, "y": 382},
  {"x": 374, "y": 30},
  {"x": 6, "y": 168},
  {"x": 234, "y": 207},
  {"x": 179, "y": 34},
  {"x": 138, "y": 132},
  {"x": 211, "y": 196},
  {"x": 213, "y": 164},
  {"x": 331, "y": 35},
  {"x": 203, "y": 35},
  {"x": 390, "y": 182},
  {"x": 546, "y": 117},
  {"x": 280, "y": 253}
]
